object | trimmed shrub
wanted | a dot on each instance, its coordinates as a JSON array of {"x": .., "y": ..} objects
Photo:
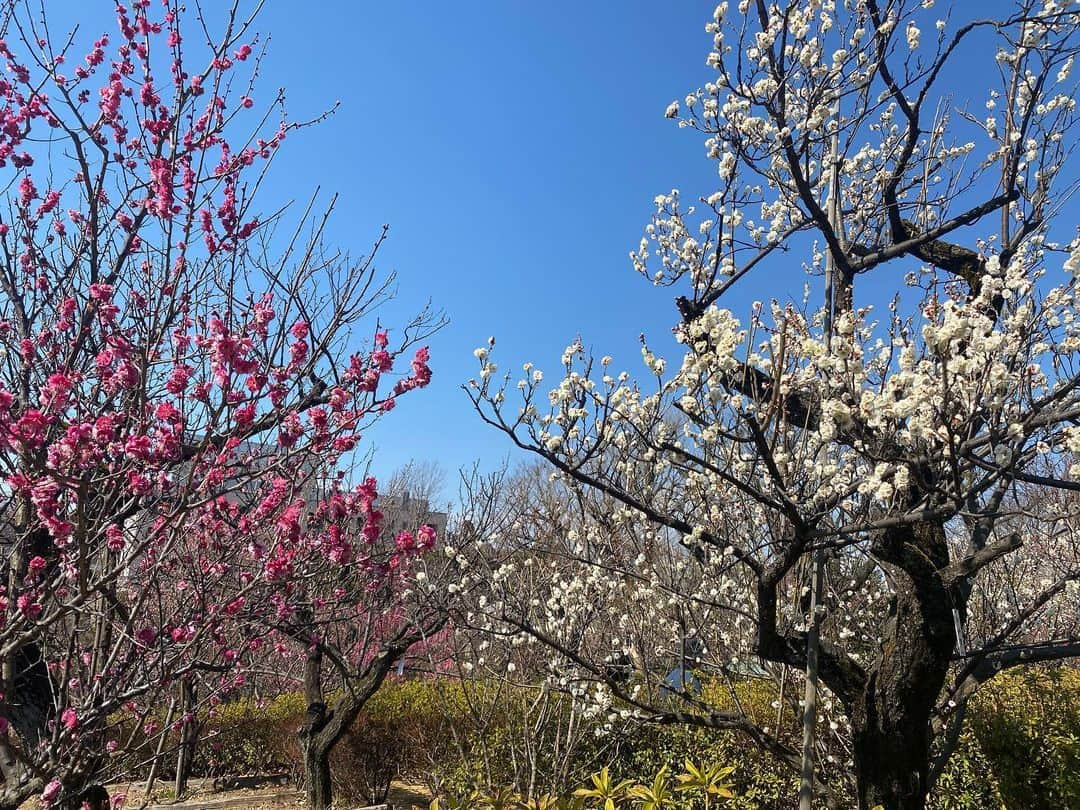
[
  {"x": 1027, "y": 722},
  {"x": 247, "y": 736},
  {"x": 1020, "y": 748},
  {"x": 402, "y": 731},
  {"x": 968, "y": 781}
]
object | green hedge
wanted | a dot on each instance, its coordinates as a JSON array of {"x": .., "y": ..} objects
[
  {"x": 1027, "y": 725},
  {"x": 1020, "y": 747},
  {"x": 760, "y": 781},
  {"x": 247, "y": 736},
  {"x": 397, "y": 732}
]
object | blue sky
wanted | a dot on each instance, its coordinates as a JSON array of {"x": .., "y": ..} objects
[{"x": 515, "y": 150}]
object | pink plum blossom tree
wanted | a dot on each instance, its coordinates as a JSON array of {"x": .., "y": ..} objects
[
  {"x": 180, "y": 366},
  {"x": 326, "y": 586}
]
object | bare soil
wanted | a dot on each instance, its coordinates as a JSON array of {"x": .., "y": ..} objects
[{"x": 203, "y": 796}]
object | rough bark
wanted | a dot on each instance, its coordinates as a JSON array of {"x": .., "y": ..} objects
[
  {"x": 27, "y": 688},
  {"x": 317, "y": 775},
  {"x": 189, "y": 735},
  {"x": 12, "y": 797},
  {"x": 313, "y": 742},
  {"x": 316, "y": 772},
  {"x": 30, "y": 705},
  {"x": 891, "y": 717}
]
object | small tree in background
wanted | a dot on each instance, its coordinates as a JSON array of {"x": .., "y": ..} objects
[{"x": 335, "y": 590}]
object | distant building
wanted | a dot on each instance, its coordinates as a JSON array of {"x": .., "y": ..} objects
[{"x": 404, "y": 512}]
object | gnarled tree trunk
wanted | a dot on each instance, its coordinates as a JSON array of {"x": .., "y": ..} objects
[
  {"x": 319, "y": 789},
  {"x": 891, "y": 717},
  {"x": 324, "y": 726}
]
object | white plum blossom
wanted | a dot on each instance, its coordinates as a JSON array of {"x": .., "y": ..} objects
[
  {"x": 918, "y": 428},
  {"x": 913, "y": 34}
]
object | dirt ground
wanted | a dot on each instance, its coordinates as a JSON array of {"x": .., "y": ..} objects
[
  {"x": 271, "y": 798},
  {"x": 202, "y": 796}
]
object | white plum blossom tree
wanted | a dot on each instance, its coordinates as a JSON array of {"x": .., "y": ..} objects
[{"x": 920, "y": 429}]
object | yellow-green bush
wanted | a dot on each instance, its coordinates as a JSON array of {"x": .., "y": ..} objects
[
  {"x": 762, "y": 783},
  {"x": 759, "y": 780},
  {"x": 704, "y": 786},
  {"x": 1027, "y": 723},
  {"x": 1020, "y": 748},
  {"x": 529, "y": 740},
  {"x": 968, "y": 781},
  {"x": 251, "y": 737}
]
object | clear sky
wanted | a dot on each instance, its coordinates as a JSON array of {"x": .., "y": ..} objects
[{"x": 515, "y": 149}]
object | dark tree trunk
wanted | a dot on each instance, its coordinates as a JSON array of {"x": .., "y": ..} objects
[
  {"x": 94, "y": 797},
  {"x": 324, "y": 726},
  {"x": 189, "y": 735},
  {"x": 891, "y": 717},
  {"x": 30, "y": 699},
  {"x": 27, "y": 690},
  {"x": 313, "y": 741},
  {"x": 320, "y": 794}
]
